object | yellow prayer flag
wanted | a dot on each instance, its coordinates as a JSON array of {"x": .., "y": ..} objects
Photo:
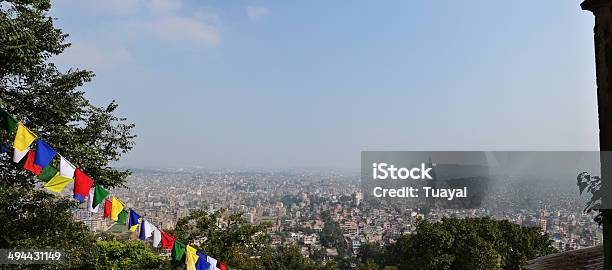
[
  {"x": 116, "y": 208},
  {"x": 191, "y": 257},
  {"x": 57, "y": 183},
  {"x": 23, "y": 138}
]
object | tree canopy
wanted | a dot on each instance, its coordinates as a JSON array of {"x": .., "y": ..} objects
[
  {"x": 473, "y": 243},
  {"x": 51, "y": 103}
]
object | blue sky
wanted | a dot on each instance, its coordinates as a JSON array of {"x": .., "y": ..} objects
[{"x": 312, "y": 83}]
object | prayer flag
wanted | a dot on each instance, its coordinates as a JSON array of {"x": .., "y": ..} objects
[
  {"x": 90, "y": 201},
  {"x": 212, "y": 261},
  {"x": 18, "y": 155},
  {"x": 8, "y": 121},
  {"x": 222, "y": 266},
  {"x": 167, "y": 240},
  {"x": 122, "y": 217},
  {"x": 82, "y": 185},
  {"x": 146, "y": 230},
  {"x": 116, "y": 208},
  {"x": 29, "y": 164},
  {"x": 66, "y": 168},
  {"x": 107, "y": 208},
  {"x": 57, "y": 183},
  {"x": 23, "y": 138},
  {"x": 47, "y": 173},
  {"x": 156, "y": 237},
  {"x": 191, "y": 258},
  {"x": 202, "y": 264},
  {"x": 134, "y": 220},
  {"x": 178, "y": 250},
  {"x": 44, "y": 154},
  {"x": 99, "y": 195}
]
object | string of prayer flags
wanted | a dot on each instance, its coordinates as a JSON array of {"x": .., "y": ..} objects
[
  {"x": 29, "y": 164},
  {"x": 167, "y": 240},
  {"x": 100, "y": 193},
  {"x": 178, "y": 250},
  {"x": 191, "y": 257},
  {"x": 44, "y": 154},
  {"x": 82, "y": 185},
  {"x": 156, "y": 237},
  {"x": 18, "y": 155},
  {"x": 116, "y": 208},
  {"x": 134, "y": 220},
  {"x": 57, "y": 183},
  {"x": 107, "y": 208},
  {"x": 8, "y": 121},
  {"x": 39, "y": 163},
  {"x": 23, "y": 138},
  {"x": 146, "y": 230},
  {"x": 213, "y": 262},
  {"x": 47, "y": 173},
  {"x": 202, "y": 263},
  {"x": 66, "y": 168},
  {"x": 90, "y": 202}
]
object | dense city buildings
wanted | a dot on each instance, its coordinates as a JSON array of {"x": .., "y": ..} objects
[{"x": 325, "y": 212}]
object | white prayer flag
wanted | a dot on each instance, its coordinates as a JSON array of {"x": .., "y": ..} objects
[
  {"x": 18, "y": 155},
  {"x": 156, "y": 237},
  {"x": 90, "y": 202},
  {"x": 66, "y": 168},
  {"x": 146, "y": 230},
  {"x": 213, "y": 262}
]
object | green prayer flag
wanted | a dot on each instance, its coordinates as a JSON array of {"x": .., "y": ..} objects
[
  {"x": 99, "y": 195},
  {"x": 178, "y": 250},
  {"x": 7, "y": 121},
  {"x": 47, "y": 173},
  {"x": 122, "y": 217}
]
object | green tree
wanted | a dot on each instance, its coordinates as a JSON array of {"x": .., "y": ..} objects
[
  {"x": 480, "y": 243},
  {"x": 126, "y": 255},
  {"x": 228, "y": 238},
  {"x": 49, "y": 102},
  {"x": 223, "y": 236}
]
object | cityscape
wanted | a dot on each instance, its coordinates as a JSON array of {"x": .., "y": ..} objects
[{"x": 304, "y": 206}]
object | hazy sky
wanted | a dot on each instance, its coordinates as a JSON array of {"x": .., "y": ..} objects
[{"x": 312, "y": 83}]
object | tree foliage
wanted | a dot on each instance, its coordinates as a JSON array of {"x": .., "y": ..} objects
[
  {"x": 50, "y": 103},
  {"x": 479, "y": 243},
  {"x": 229, "y": 238},
  {"x": 126, "y": 255}
]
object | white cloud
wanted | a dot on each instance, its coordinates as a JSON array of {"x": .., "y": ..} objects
[
  {"x": 164, "y": 6},
  {"x": 255, "y": 13},
  {"x": 179, "y": 29},
  {"x": 166, "y": 20},
  {"x": 90, "y": 56},
  {"x": 99, "y": 7}
]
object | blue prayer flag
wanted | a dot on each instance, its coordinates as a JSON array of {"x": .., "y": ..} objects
[
  {"x": 134, "y": 220},
  {"x": 44, "y": 154},
  {"x": 202, "y": 263}
]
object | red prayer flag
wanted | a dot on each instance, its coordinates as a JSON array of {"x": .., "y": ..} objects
[
  {"x": 29, "y": 164},
  {"x": 167, "y": 240},
  {"x": 82, "y": 185},
  {"x": 222, "y": 266},
  {"x": 107, "y": 208}
]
